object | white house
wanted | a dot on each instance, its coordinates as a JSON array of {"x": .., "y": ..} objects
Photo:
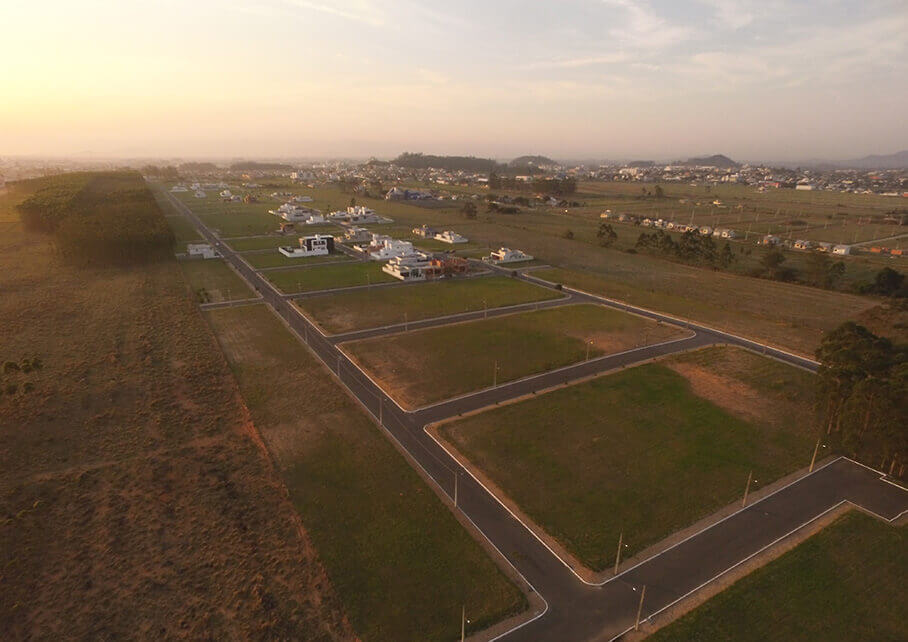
[
  {"x": 842, "y": 250},
  {"x": 424, "y": 231},
  {"x": 356, "y": 234},
  {"x": 200, "y": 194},
  {"x": 298, "y": 214},
  {"x": 316, "y": 245},
  {"x": 802, "y": 245},
  {"x": 413, "y": 267},
  {"x": 301, "y": 199},
  {"x": 225, "y": 194},
  {"x": 202, "y": 249},
  {"x": 506, "y": 255},
  {"x": 179, "y": 188},
  {"x": 384, "y": 248},
  {"x": 450, "y": 237}
]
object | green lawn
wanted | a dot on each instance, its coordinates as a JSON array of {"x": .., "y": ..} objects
[
  {"x": 646, "y": 451},
  {"x": 438, "y": 363},
  {"x": 235, "y": 223},
  {"x": 212, "y": 280},
  {"x": 401, "y": 563},
  {"x": 329, "y": 276},
  {"x": 183, "y": 231},
  {"x": 275, "y": 240},
  {"x": 360, "y": 309},
  {"x": 845, "y": 583},
  {"x": 276, "y": 259}
]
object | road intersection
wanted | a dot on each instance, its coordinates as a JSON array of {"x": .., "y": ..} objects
[{"x": 574, "y": 608}]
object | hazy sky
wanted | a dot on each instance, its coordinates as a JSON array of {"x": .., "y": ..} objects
[{"x": 756, "y": 79}]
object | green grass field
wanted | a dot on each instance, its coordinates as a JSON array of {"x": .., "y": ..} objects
[
  {"x": 329, "y": 276},
  {"x": 212, "y": 280},
  {"x": 429, "y": 365},
  {"x": 791, "y": 316},
  {"x": 845, "y": 583},
  {"x": 276, "y": 259},
  {"x": 274, "y": 240},
  {"x": 401, "y": 563},
  {"x": 646, "y": 451},
  {"x": 372, "y": 308},
  {"x": 183, "y": 231}
]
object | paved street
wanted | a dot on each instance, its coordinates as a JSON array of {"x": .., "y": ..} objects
[{"x": 576, "y": 610}]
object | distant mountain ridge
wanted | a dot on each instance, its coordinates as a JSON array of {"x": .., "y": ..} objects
[
  {"x": 524, "y": 161},
  {"x": 716, "y": 160},
  {"x": 898, "y": 160}
]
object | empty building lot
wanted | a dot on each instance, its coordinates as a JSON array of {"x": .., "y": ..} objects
[
  {"x": 646, "y": 451},
  {"x": 425, "y": 366}
]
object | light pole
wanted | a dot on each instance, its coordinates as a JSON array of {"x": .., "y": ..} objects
[
  {"x": 750, "y": 479},
  {"x": 485, "y": 309},
  {"x": 495, "y": 375},
  {"x": 640, "y": 608},
  {"x": 813, "y": 459},
  {"x": 463, "y": 623},
  {"x": 588, "y": 344},
  {"x": 406, "y": 323},
  {"x": 621, "y": 545}
]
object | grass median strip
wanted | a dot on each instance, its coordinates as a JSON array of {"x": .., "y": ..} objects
[
  {"x": 361, "y": 309},
  {"x": 844, "y": 583},
  {"x": 399, "y": 560},
  {"x": 430, "y": 365},
  {"x": 646, "y": 451}
]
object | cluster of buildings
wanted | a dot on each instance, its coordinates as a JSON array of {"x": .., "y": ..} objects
[
  {"x": 446, "y": 236},
  {"x": 800, "y": 244}
]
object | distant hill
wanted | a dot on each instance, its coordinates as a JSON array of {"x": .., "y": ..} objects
[
  {"x": 898, "y": 160},
  {"x": 526, "y": 161},
  {"x": 716, "y": 160},
  {"x": 453, "y": 163},
  {"x": 248, "y": 166}
]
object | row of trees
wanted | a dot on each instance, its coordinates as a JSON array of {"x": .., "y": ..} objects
[
  {"x": 863, "y": 395},
  {"x": 691, "y": 247},
  {"x": 451, "y": 163},
  {"x": 100, "y": 218},
  {"x": 554, "y": 186}
]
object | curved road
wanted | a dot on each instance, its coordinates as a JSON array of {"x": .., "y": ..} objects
[{"x": 577, "y": 610}]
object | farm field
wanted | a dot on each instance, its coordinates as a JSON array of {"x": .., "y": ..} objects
[
  {"x": 324, "y": 277},
  {"x": 276, "y": 259},
  {"x": 361, "y": 309},
  {"x": 385, "y": 538},
  {"x": 429, "y": 365},
  {"x": 646, "y": 451},
  {"x": 844, "y": 583},
  {"x": 212, "y": 280},
  {"x": 790, "y": 316},
  {"x": 241, "y": 244},
  {"x": 136, "y": 501}
]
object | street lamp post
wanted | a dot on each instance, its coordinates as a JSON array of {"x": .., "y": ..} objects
[{"x": 750, "y": 479}]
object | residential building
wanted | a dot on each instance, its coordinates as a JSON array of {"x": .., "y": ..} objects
[
  {"x": 424, "y": 231},
  {"x": 316, "y": 245},
  {"x": 450, "y": 237},
  {"x": 205, "y": 250},
  {"x": 506, "y": 255},
  {"x": 842, "y": 250}
]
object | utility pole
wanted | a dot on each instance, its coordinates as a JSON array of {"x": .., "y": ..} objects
[
  {"x": 588, "y": 344},
  {"x": 338, "y": 366},
  {"x": 640, "y": 608},
  {"x": 495, "y": 375},
  {"x": 406, "y": 323},
  {"x": 455, "y": 488},
  {"x": 813, "y": 460},
  {"x": 485, "y": 309},
  {"x": 380, "y": 415},
  {"x": 618, "y": 554},
  {"x": 463, "y": 623},
  {"x": 747, "y": 488}
]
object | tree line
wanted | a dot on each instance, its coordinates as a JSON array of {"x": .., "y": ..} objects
[
  {"x": 450, "y": 163},
  {"x": 862, "y": 400},
  {"x": 555, "y": 186},
  {"x": 692, "y": 247},
  {"x": 99, "y": 218}
]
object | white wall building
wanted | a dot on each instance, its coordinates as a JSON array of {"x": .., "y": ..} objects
[
  {"x": 316, "y": 245},
  {"x": 450, "y": 237},
  {"x": 202, "y": 249},
  {"x": 506, "y": 255}
]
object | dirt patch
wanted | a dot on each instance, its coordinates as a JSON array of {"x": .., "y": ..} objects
[{"x": 726, "y": 392}]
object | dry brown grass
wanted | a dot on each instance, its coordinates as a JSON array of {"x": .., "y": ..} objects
[{"x": 135, "y": 501}]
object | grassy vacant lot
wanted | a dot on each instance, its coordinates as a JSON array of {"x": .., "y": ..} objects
[
  {"x": 646, "y": 451},
  {"x": 183, "y": 230},
  {"x": 135, "y": 501},
  {"x": 276, "y": 259},
  {"x": 275, "y": 240},
  {"x": 438, "y": 363},
  {"x": 325, "y": 277},
  {"x": 372, "y": 308},
  {"x": 212, "y": 280},
  {"x": 845, "y": 583},
  {"x": 399, "y": 560},
  {"x": 791, "y": 316}
]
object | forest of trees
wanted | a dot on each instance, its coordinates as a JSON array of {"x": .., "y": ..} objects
[
  {"x": 863, "y": 396},
  {"x": 99, "y": 218},
  {"x": 693, "y": 248},
  {"x": 165, "y": 172},
  {"x": 554, "y": 186},
  {"x": 452, "y": 163}
]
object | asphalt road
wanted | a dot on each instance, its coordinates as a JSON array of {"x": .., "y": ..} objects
[{"x": 577, "y": 610}]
